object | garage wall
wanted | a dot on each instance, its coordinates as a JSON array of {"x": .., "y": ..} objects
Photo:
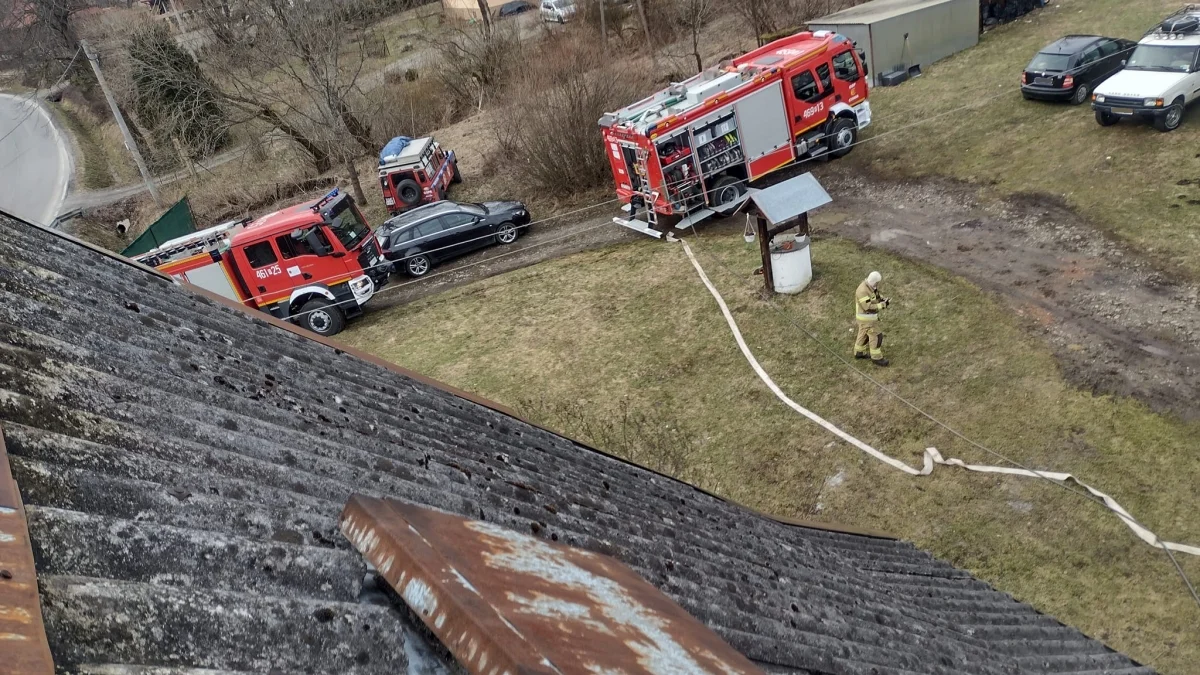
[
  {"x": 465, "y": 9},
  {"x": 934, "y": 32}
]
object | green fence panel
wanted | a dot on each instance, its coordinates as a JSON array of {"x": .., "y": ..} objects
[{"x": 176, "y": 222}]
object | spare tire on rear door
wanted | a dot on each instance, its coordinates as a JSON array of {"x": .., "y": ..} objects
[{"x": 409, "y": 192}]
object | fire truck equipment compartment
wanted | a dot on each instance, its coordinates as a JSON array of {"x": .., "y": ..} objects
[
  {"x": 898, "y": 34},
  {"x": 763, "y": 121}
]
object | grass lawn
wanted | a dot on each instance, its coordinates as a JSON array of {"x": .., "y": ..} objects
[
  {"x": 625, "y": 348},
  {"x": 1125, "y": 178}
]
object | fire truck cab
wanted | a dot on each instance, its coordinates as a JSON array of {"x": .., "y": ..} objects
[
  {"x": 414, "y": 172},
  {"x": 692, "y": 149},
  {"x": 315, "y": 264}
]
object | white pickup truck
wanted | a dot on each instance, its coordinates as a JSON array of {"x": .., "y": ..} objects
[{"x": 1160, "y": 78}]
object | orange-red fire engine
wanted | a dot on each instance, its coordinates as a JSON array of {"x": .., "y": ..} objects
[
  {"x": 316, "y": 263},
  {"x": 692, "y": 149}
]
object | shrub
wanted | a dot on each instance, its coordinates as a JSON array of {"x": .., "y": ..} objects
[
  {"x": 476, "y": 63},
  {"x": 548, "y": 136},
  {"x": 171, "y": 96},
  {"x": 402, "y": 107}
]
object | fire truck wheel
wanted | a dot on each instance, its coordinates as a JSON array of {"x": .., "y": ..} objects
[
  {"x": 725, "y": 193},
  {"x": 409, "y": 192},
  {"x": 507, "y": 233},
  {"x": 417, "y": 266},
  {"x": 842, "y": 136},
  {"x": 322, "y": 317},
  {"x": 456, "y": 177}
]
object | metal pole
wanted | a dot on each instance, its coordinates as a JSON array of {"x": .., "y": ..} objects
[
  {"x": 129, "y": 143},
  {"x": 764, "y": 247}
]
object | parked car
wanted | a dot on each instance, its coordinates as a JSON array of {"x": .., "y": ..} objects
[
  {"x": 1069, "y": 68},
  {"x": 417, "y": 240},
  {"x": 1161, "y": 77},
  {"x": 415, "y": 171},
  {"x": 513, "y": 8},
  {"x": 558, "y": 11}
]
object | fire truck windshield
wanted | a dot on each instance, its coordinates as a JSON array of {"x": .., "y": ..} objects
[{"x": 348, "y": 226}]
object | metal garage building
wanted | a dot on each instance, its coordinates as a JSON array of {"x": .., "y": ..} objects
[{"x": 906, "y": 35}]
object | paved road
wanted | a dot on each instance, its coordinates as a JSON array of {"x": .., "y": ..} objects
[{"x": 35, "y": 163}]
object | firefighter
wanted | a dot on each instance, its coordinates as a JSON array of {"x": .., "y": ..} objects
[{"x": 867, "y": 303}]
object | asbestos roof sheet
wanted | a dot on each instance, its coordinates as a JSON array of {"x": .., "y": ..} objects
[
  {"x": 785, "y": 201},
  {"x": 183, "y": 466}
]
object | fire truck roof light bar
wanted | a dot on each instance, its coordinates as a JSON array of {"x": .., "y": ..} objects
[{"x": 323, "y": 201}]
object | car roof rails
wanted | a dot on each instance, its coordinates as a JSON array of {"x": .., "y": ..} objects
[{"x": 1185, "y": 21}]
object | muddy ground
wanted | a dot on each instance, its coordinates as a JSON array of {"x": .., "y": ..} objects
[{"x": 1117, "y": 325}]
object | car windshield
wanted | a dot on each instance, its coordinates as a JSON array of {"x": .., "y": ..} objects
[
  {"x": 1162, "y": 57},
  {"x": 473, "y": 209},
  {"x": 347, "y": 225},
  {"x": 1055, "y": 63}
]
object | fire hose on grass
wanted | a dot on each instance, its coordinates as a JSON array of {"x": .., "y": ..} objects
[{"x": 931, "y": 456}]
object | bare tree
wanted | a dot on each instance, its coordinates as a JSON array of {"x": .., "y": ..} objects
[
  {"x": 477, "y": 62},
  {"x": 641, "y": 8},
  {"x": 765, "y": 17},
  {"x": 693, "y": 15},
  {"x": 297, "y": 66},
  {"x": 485, "y": 15}
]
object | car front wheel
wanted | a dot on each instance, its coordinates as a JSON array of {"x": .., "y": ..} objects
[
  {"x": 1171, "y": 119},
  {"x": 1082, "y": 92},
  {"x": 507, "y": 233},
  {"x": 1106, "y": 119},
  {"x": 418, "y": 266}
]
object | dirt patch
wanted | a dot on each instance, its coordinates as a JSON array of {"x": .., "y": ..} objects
[{"x": 1117, "y": 325}]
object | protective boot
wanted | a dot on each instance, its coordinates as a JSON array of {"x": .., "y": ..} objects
[{"x": 880, "y": 362}]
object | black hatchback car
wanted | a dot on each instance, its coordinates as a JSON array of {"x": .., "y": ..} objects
[
  {"x": 417, "y": 240},
  {"x": 1069, "y": 68}
]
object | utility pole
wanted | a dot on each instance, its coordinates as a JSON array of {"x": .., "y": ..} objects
[{"x": 116, "y": 111}]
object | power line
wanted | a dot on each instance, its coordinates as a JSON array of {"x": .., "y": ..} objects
[{"x": 34, "y": 95}]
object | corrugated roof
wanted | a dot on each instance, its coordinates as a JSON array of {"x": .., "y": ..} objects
[
  {"x": 879, "y": 10},
  {"x": 183, "y": 465},
  {"x": 785, "y": 201},
  {"x": 510, "y": 602}
]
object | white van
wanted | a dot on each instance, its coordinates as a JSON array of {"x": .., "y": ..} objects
[{"x": 558, "y": 11}]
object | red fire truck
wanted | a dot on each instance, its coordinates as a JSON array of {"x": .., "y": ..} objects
[
  {"x": 316, "y": 263},
  {"x": 692, "y": 149}
]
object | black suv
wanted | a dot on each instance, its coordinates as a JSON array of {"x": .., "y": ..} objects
[
  {"x": 1070, "y": 67},
  {"x": 417, "y": 240}
]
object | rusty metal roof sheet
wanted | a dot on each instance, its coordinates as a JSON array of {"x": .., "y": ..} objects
[
  {"x": 506, "y": 602},
  {"x": 24, "y": 648}
]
